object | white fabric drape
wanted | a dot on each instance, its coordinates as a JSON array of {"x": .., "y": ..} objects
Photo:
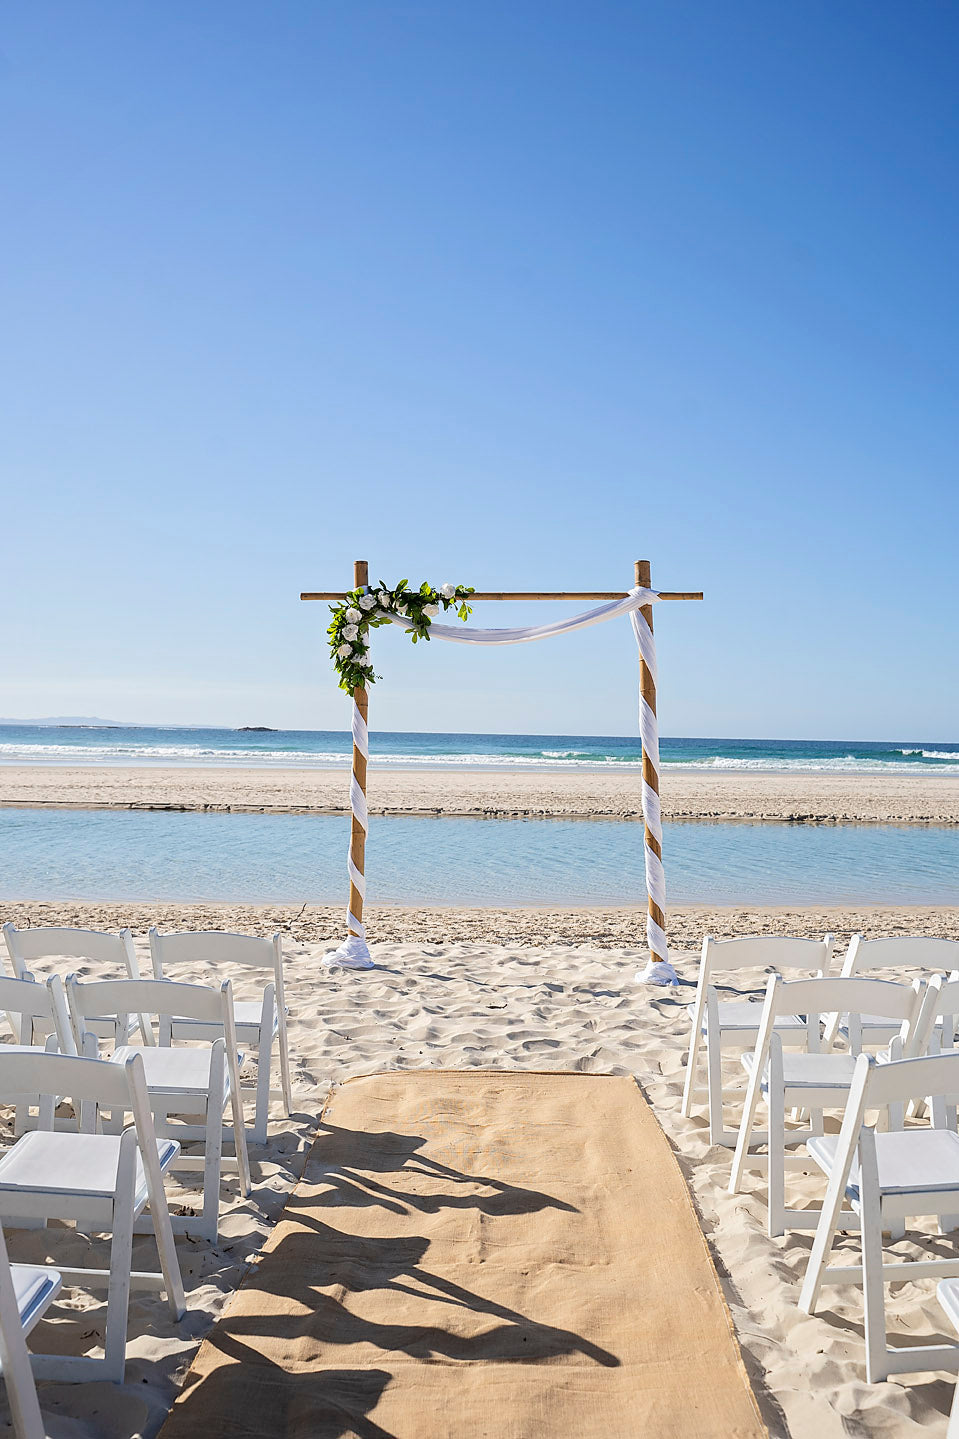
[{"x": 354, "y": 954}]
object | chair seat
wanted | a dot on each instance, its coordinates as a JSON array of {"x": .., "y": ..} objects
[
  {"x": 35, "y": 1288},
  {"x": 73, "y": 1165},
  {"x": 911, "y": 1161},
  {"x": 744, "y": 1016},
  {"x": 810, "y": 1071},
  {"x": 246, "y": 1018},
  {"x": 175, "y": 1071}
]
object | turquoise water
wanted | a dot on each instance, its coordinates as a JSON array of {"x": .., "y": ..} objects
[
  {"x": 326, "y": 749},
  {"x": 76, "y": 854}
]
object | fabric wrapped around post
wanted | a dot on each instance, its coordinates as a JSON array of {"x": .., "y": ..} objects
[{"x": 354, "y": 953}]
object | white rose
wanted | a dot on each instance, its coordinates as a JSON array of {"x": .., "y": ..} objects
[
  {"x": 367, "y": 602},
  {"x": 349, "y": 632},
  {"x": 431, "y": 610},
  {"x": 343, "y": 650},
  {"x": 382, "y": 599},
  {"x": 353, "y": 616},
  {"x": 448, "y": 591}
]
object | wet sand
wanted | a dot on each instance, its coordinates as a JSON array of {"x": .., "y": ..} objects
[{"x": 494, "y": 794}]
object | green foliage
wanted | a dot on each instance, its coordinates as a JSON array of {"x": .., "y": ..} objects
[{"x": 365, "y": 609}]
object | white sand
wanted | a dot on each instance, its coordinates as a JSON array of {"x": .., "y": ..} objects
[{"x": 460, "y": 1004}]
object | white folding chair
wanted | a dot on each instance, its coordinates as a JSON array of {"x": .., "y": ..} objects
[
  {"x": 259, "y": 1023},
  {"x": 734, "y": 1024},
  {"x": 102, "y": 1182},
  {"x": 113, "y": 953},
  {"x": 26, "y": 1292},
  {"x": 180, "y": 1081},
  {"x": 900, "y": 953},
  {"x": 811, "y": 1081},
  {"x": 887, "y": 1177},
  {"x": 33, "y": 1011}
]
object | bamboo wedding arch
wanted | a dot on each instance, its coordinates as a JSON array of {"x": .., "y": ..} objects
[{"x": 637, "y": 603}]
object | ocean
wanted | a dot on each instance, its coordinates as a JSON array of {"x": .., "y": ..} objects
[
  {"x": 330, "y": 749},
  {"x": 297, "y": 858}
]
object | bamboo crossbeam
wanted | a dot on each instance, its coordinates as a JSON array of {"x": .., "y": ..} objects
[{"x": 532, "y": 595}]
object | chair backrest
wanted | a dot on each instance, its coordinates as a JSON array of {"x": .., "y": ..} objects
[
  {"x": 216, "y": 948},
  {"x": 26, "y": 946},
  {"x": 938, "y": 1023},
  {"x": 855, "y": 997},
  {"x": 120, "y": 999},
  {"x": 922, "y": 1077},
  {"x": 901, "y": 951},
  {"x": 765, "y": 951},
  {"x": 25, "y": 1001},
  {"x": 91, "y": 1084}
]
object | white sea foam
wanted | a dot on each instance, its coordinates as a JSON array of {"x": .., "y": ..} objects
[{"x": 180, "y": 755}]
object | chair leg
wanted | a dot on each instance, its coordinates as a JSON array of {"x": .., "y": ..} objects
[
  {"x": 121, "y": 1262},
  {"x": 952, "y": 1431},
  {"x": 874, "y": 1297},
  {"x": 285, "y": 1081},
  {"x": 745, "y": 1130},
  {"x": 776, "y": 1149},
  {"x": 15, "y": 1360},
  {"x": 264, "y": 1057},
  {"x": 714, "y": 1072},
  {"x": 212, "y": 1152},
  {"x": 692, "y": 1063},
  {"x": 239, "y": 1135}
]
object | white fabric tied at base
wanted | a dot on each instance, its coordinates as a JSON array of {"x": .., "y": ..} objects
[
  {"x": 353, "y": 953},
  {"x": 659, "y": 971}
]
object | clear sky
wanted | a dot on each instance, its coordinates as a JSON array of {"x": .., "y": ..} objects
[{"x": 508, "y": 294}]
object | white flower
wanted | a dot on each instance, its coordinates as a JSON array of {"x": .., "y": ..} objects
[
  {"x": 447, "y": 591},
  {"x": 367, "y": 602},
  {"x": 382, "y": 599},
  {"x": 431, "y": 610},
  {"x": 353, "y": 616},
  {"x": 349, "y": 632},
  {"x": 343, "y": 650}
]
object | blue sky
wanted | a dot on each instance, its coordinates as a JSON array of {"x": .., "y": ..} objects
[{"x": 509, "y": 295}]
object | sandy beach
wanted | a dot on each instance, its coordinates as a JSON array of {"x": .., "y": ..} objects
[
  {"x": 493, "y": 794},
  {"x": 449, "y": 1002},
  {"x": 539, "y": 988}
]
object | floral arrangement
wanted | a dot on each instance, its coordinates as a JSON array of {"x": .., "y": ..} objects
[{"x": 365, "y": 609}]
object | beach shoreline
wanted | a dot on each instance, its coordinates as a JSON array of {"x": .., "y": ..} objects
[
  {"x": 622, "y": 927},
  {"x": 806, "y": 798}
]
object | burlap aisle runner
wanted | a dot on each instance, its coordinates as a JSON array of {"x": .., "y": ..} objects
[{"x": 507, "y": 1255}]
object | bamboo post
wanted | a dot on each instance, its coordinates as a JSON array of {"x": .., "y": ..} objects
[
  {"x": 647, "y": 689},
  {"x": 361, "y": 577}
]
